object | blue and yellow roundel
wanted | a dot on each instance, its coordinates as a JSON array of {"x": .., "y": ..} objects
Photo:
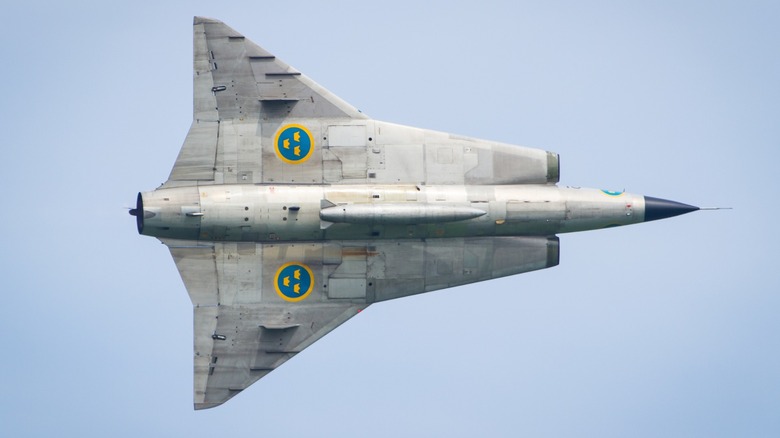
[
  {"x": 293, "y": 144},
  {"x": 294, "y": 281}
]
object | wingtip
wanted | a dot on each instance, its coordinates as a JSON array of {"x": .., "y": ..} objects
[
  {"x": 201, "y": 20},
  {"x": 202, "y": 406}
]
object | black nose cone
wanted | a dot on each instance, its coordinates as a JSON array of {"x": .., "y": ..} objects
[{"x": 656, "y": 208}]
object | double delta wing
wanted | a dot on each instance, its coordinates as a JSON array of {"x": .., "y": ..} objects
[
  {"x": 244, "y": 96},
  {"x": 246, "y": 322},
  {"x": 258, "y": 304}
]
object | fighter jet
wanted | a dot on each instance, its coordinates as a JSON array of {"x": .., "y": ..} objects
[{"x": 288, "y": 211}]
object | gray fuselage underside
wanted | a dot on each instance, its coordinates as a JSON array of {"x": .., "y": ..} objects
[{"x": 273, "y": 213}]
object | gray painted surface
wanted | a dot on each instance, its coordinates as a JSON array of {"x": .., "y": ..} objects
[{"x": 288, "y": 211}]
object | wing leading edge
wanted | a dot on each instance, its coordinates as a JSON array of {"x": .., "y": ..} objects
[{"x": 236, "y": 84}]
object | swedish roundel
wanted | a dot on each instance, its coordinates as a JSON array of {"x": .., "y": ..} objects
[
  {"x": 293, "y": 144},
  {"x": 294, "y": 281}
]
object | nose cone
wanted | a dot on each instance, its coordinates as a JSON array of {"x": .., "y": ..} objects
[{"x": 656, "y": 208}]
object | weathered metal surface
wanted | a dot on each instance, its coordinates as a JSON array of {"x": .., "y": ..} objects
[{"x": 288, "y": 211}]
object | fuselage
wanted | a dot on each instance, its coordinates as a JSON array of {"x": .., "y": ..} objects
[{"x": 272, "y": 213}]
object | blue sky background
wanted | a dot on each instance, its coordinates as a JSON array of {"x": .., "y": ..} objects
[{"x": 662, "y": 329}]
